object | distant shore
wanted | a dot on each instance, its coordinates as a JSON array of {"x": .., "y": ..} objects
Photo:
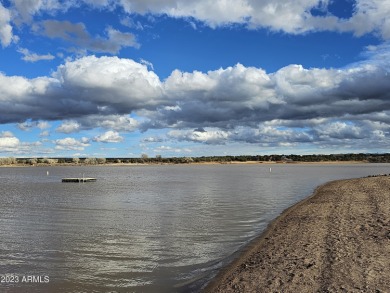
[
  {"x": 243, "y": 163},
  {"x": 189, "y": 163},
  {"x": 144, "y": 159},
  {"x": 337, "y": 240}
]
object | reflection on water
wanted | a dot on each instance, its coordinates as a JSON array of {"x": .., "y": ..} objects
[{"x": 144, "y": 228}]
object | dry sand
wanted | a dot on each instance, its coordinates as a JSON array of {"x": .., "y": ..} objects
[{"x": 337, "y": 240}]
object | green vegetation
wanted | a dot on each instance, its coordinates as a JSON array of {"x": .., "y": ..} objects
[{"x": 144, "y": 159}]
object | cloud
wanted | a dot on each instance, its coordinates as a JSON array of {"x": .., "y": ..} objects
[
  {"x": 147, "y": 63},
  {"x": 33, "y": 57},
  {"x": 152, "y": 139},
  {"x": 117, "y": 40},
  {"x": 87, "y": 86},
  {"x": 235, "y": 104},
  {"x": 238, "y": 95},
  {"x": 25, "y": 126},
  {"x": 44, "y": 133},
  {"x": 70, "y": 143},
  {"x": 212, "y": 12},
  {"x": 369, "y": 16},
  {"x": 8, "y": 142},
  {"x": 208, "y": 137},
  {"x": 6, "y": 134},
  {"x": 330, "y": 134},
  {"x": 6, "y": 34},
  {"x": 110, "y": 87},
  {"x": 112, "y": 122},
  {"x": 129, "y": 22},
  {"x": 68, "y": 127},
  {"x": 272, "y": 135},
  {"x": 77, "y": 34},
  {"x": 293, "y": 17},
  {"x": 23, "y": 98},
  {"x": 28, "y": 125},
  {"x": 109, "y": 136},
  {"x": 171, "y": 150},
  {"x": 24, "y": 11},
  {"x": 264, "y": 135},
  {"x": 43, "y": 125},
  {"x": 340, "y": 130},
  {"x": 111, "y": 82}
]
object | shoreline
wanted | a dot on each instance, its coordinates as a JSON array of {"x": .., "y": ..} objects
[
  {"x": 336, "y": 240},
  {"x": 189, "y": 164}
]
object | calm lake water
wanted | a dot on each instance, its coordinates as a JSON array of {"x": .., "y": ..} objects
[{"x": 142, "y": 228}]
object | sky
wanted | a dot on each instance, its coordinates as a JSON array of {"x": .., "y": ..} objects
[{"x": 183, "y": 78}]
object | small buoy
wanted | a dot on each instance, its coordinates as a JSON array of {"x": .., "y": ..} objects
[
  {"x": 270, "y": 170},
  {"x": 47, "y": 173}
]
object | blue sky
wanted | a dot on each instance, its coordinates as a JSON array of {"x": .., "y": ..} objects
[{"x": 190, "y": 78}]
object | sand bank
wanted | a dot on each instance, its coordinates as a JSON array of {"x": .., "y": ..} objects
[{"x": 337, "y": 240}]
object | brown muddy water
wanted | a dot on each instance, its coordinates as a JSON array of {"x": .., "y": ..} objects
[{"x": 142, "y": 228}]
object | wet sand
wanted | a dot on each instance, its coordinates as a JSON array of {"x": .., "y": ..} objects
[{"x": 337, "y": 240}]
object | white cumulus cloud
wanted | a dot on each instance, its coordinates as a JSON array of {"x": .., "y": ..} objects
[
  {"x": 68, "y": 127},
  {"x": 109, "y": 136},
  {"x": 70, "y": 143},
  {"x": 8, "y": 142},
  {"x": 6, "y": 34}
]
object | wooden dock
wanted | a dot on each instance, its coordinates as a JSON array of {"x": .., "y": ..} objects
[{"x": 78, "y": 180}]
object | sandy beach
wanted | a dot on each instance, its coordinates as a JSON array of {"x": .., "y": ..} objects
[{"x": 337, "y": 240}]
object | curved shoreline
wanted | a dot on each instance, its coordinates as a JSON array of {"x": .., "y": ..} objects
[{"x": 337, "y": 239}]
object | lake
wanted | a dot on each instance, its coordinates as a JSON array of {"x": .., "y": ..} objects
[{"x": 142, "y": 228}]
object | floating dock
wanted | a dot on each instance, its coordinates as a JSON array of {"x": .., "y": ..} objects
[{"x": 78, "y": 180}]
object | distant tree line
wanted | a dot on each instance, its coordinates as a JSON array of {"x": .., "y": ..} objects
[
  {"x": 144, "y": 159},
  {"x": 29, "y": 161}
]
